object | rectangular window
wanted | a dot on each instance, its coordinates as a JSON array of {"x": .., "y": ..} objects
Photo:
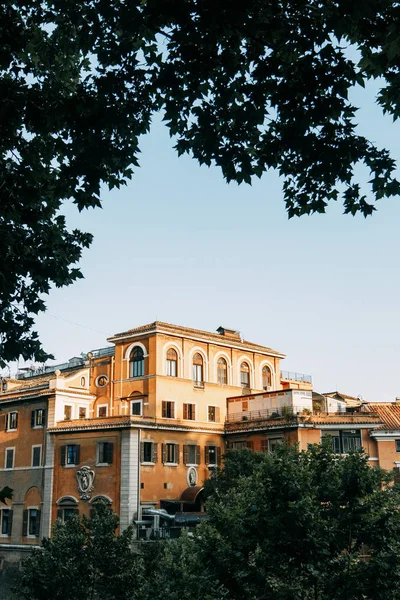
[
  {"x": 82, "y": 412},
  {"x": 189, "y": 412},
  {"x": 191, "y": 454},
  {"x": 5, "y": 521},
  {"x": 104, "y": 453},
  {"x": 38, "y": 417},
  {"x": 344, "y": 441},
  {"x": 212, "y": 455},
  {"x": 171, "y": 368},
  {"x": 9, "y": 458},
  {"x": 148, "y": 452},
  {"x": 136, "y": 408},
  {"x": 102, "y": 410},
  {"x": 33, "y": 518},
  {"x": 213, "y": 414},
  {"x": 70, "y": 454},
  {"x": 12, "y": 421},
  {"x": 168, "y": 409},
  {"x": 273, "y": 443},
  {"x": 36, "y": 456},
  {"x": 67, "y": 412},
  {"x": 171, "y": 453}
]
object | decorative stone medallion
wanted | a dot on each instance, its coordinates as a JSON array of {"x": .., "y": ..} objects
[
  {"x": 85, "y": 477},
  {"x": 191, "y": 476}
]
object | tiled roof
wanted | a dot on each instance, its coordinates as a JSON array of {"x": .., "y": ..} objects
[
  {"x": 196, "y": 333},
  {"x": 388, "y": 412},
  {"x": 34, "y": 382}
]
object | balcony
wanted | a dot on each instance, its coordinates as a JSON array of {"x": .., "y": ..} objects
[
  {"x": 292, "y": 376},
  {"x": 288, "y": 413},
  {"x": 198, "y": 385}
]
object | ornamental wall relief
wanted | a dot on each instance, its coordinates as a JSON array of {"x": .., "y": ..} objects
[{"x": 85, "y": 477}]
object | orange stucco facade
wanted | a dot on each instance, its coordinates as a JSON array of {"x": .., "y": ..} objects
[{"x": 138, "y": 424}]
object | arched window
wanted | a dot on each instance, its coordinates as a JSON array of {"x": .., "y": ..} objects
[
  {"x": 266, "y": 378},
  {"x": 67, "y": 508},
  {"x": 198, "y": 368},
  {"x": 222, "y": 371},
  {"x": 137, "y": 362},
  {"x": 172, "y": 362},
  {"x": 245, "y": 375}
]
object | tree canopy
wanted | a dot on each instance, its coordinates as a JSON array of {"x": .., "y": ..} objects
[
  {"x": 290, "y": 526},
  {"x": 84, "y": 559},
  {"x": 246, "y": 86}
]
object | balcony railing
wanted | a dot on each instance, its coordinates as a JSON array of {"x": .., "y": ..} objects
[
  {"x": 198, "y": 384},
  {"x": 296, "y": 376},
  {"x": 290, "y": 413}
]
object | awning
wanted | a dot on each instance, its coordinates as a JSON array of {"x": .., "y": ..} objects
[{"x": 188, "y": 496}]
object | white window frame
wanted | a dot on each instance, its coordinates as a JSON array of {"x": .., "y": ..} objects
[
  {"x": 40, "y": 460},
  {"x": 102, "y": 406},
  {"x": 5, "y": 458},
  {"x": 71, "y": 406},
  {"x": 8, "y": 416},
  {"x": 31, "y": 536},
  {"x": 137, "y": 401},
  {"x": 172, "y": 402}
]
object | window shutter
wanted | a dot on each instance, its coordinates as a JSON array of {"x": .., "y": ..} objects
[
  {"x": 33, "y": 418},
  {"x": 9, "y": 525},
  {"x": 197, "y": 455},
  {"x": 110, "y": 448},
  {"x": 177, "y": 454},
  {"x": 185, "y": 454},
  {"x": 25, "y": 523},
  {"x": 164, "y": 409},
  {"x": 217, "y": 414},
  {"x": 164, "y": 453},
  {"x": 141, "y": 451},
  {"x": 60, "y": 513},
  {"x": 63, "y": 450},
  {"x": 249, "y": 445},
  {"x": 218, "y": 455},
  {"x": 185, "y": 411},
  {"x": 154, "y": 449},
  {"x": 207, "y": 455},
  {"x": 37, "y": 528},
  {"x": 77, "y": 454}
]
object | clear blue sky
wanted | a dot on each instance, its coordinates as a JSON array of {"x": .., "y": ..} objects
[{"x": 180, "y": 245}]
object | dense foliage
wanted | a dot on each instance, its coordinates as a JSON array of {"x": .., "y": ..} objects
[
  {"x": 287, "y": 526},
  {"x": 85, "y": 560},
  {"x": 291, "y": 526},
  {"x": 247, "y": 86}
]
